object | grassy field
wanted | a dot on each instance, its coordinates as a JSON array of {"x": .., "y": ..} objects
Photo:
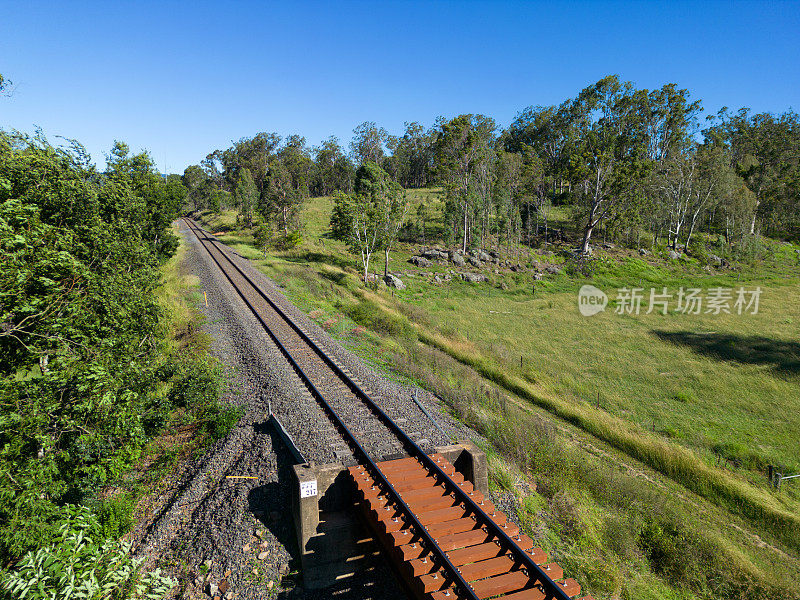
[{"x": 698, "y": 403}]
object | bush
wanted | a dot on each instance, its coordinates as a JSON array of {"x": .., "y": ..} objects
[
  {"x": 198, "y": 383},
  {"x": 289, "y": 241},
  {"x": 217, "y": 420},
  {"x": 115, "y": 516},
  {"x": 78, "y": 563}
]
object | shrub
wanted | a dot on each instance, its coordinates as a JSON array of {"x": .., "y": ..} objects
[
  {"x": 115, "y": 515},
  {"x": 217, "y": 420},
  {"x": 78, "y": 563},
  {"x": 198, "y": 383}
]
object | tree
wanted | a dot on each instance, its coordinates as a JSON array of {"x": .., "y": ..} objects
[
  {"x": 333, "y": 170},
  {"x": 765, "y": 151},
  {"x": 367, "y": 143},
  {"x": 197, "y": 186},
  {"x": 81, "y": 341},
  {"x": 464, "y": 157},
  {"x": 608, "y": 154},
  {"x": 246, "y": 196},
  {"x": 281, "y": 193},
  {"x": 370, "y": 218}
]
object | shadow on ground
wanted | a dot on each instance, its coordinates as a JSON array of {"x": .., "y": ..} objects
[{"x": 783, "y": 356}]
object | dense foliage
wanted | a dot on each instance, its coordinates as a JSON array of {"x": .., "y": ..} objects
[
  {"x": 83, "y": 375},
  {"x": 631, "y": 164},
  {"x": 79, "y": 564}
]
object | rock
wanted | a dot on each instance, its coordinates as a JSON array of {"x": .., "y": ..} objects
[
  {"x": 435, "y": 254},
  {"x": 246, "y": 548},
  {"x": 516, "y": 268},
  {"x": 715, "y": 259},
  {"x": 420, "y": 261},
  {"x": 484, "y": 256},
  {"x": 394, "y": 282},
  {"x": 458, "y": 260},
  {"x": 261, "y": 534},
  {"x": 496, "y": 260},
  {"x": 608, "y": 246},
  {"x": 223, "y": 586},
  {"x": 473, "y": 277},
  {"x": 198, "y": 582},
  {"x": 553, "y": 269},
  {"x": 537, "y": 276},
  {"x": 474, "y": 261},
  {"x": 674, "y": 255},
  {"x": 437, "y": 279},
  {"x": 212, "y": 589},
  {"x": 263, "y": 555},
  {"x": 643, "y": 252},
  {"x": 493, "y": 254}
]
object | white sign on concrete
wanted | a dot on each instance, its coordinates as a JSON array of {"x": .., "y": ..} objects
[{"x": 308, "y": 488}]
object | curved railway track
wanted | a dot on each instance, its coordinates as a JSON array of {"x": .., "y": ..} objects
[{"x": 446, "y": 539}]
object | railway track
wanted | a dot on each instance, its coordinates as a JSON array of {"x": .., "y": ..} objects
[{"x": 444, "y": 538}]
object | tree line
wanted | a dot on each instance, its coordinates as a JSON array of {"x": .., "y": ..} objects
[{"x": 635, "y": 164}]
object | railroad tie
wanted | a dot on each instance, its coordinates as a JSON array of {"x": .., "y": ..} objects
[{"x": 491, "y": 569}]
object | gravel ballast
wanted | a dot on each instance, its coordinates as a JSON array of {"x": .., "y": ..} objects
[{"x": 240, "y": 530}]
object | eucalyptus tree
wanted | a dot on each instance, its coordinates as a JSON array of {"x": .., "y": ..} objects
[
  {"x": 197, "y": 186},
  {"x": 246, "y": 195},
  {"x": 368, "y": 142},
  {"x": 608, "y": 156},
  {"x": 413, "y": 155},
  {"x": 765, "y": 151},
  {"x": 370, "y": 218},
  {"x": 332, "y": 169},
  {"x": 252, "y": 154},
  {"x": 465, "y": 156}
]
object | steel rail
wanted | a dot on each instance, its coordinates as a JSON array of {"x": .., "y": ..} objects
[{"x": 551, "y": 589}]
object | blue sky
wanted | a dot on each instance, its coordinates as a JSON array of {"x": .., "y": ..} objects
[{"x": 181, "y": 79}]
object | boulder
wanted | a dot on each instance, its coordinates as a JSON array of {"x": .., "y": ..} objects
[
  {"x": 537, "y": 276},
  {"x": 713, "y": 258},
  {"x": 553, "y": 269},
  {"x": 644, "y": 252},
  {"x": 458, "y": 259},
  {"x": 674, "y": 255},
  {"x": 420, "y": 261},
  {"x": 473, "y": 277},
  {"x": 475, "y": 261},
  {"x": 435, "y": 254},
  {"x": 394, "y": 282},
  {"x": 484, "y": 256}
]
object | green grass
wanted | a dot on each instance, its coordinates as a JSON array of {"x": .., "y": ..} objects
[{"x": 704, "y": 400}]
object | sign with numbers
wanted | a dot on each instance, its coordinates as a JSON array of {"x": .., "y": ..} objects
[{"x": 308, "y": 488}]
